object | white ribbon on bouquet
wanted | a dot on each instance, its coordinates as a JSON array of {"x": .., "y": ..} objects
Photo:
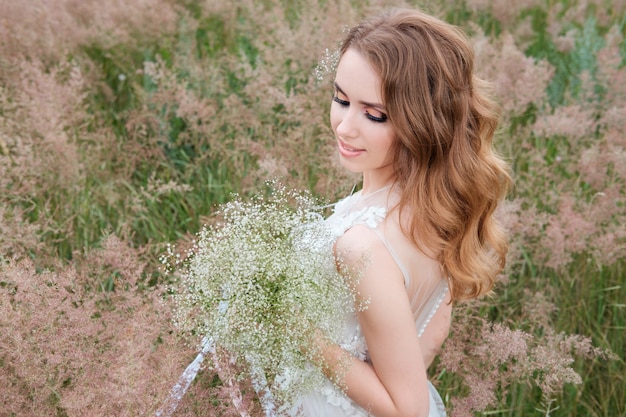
[{"x": 207, "y": 346}]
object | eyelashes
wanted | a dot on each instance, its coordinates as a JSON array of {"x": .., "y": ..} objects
[
  {"x": 340, "y": 101},
  {"x": 378, "y": 119}
]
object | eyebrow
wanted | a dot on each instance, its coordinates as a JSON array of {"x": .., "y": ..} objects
[{"x": 364, "y": 103}]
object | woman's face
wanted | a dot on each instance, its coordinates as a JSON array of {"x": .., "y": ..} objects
[{"x": 358, "y": 117}]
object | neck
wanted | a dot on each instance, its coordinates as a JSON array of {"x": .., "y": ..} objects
[{"x": 373, "y": 182}]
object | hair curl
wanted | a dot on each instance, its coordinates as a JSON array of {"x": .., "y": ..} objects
[{"x": 451, "y": 178}]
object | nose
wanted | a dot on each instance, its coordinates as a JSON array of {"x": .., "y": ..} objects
[{"x": 347, "y": 126}]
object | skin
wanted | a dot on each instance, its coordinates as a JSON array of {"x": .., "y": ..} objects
[
  {"x": 395, "y": 382},
  {"x": 358, "y": 118}
]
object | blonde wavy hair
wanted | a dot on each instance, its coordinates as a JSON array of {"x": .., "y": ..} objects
[{"x": 450, "y": 177}]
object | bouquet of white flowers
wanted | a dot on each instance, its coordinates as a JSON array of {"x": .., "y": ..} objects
[{"x": 259, "y": 284}]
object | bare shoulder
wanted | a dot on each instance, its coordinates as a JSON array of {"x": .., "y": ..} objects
[
  {"x": 361, "y": 247},
  {"x": 379, "y": 279},
  {"x": 358, "y": 240}
]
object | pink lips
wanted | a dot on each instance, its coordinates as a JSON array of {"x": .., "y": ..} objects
[{"x": 348, "y": 151}]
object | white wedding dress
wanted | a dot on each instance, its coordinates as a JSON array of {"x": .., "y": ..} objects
[{"x": 426, "y": 293}]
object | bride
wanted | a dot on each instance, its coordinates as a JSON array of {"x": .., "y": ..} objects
[{"x": 410, "y": 116}]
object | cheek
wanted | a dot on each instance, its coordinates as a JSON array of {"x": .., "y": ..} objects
[
  {"x": 390, "y": 140},
  {"x": 387, "y": 138}
]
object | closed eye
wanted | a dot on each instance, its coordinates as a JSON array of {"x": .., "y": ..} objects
[
  {"x": 340, "y": 101},
  {"x": 379, "y": 119},
  {"x": 345, "y": 103},
  {"x": 370, "y": 111}
]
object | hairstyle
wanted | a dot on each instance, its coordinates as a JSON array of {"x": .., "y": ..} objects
[{"x": 450, "y": 177}]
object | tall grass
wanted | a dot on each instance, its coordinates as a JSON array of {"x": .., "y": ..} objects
[{"x": 121, "y": 127}]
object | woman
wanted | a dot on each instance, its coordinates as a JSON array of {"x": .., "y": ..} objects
[{"x": 409, "y": 114}]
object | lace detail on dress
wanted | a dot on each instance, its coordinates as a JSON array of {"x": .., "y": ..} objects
[
  {"x": 333, "y": 394},
  {"x": 369, "y": 216},
  {"x": 356, "y": 345},
  {"x": 338, "y": 399}
]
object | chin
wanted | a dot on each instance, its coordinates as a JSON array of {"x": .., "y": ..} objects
[{"x": 353, "y": 168}]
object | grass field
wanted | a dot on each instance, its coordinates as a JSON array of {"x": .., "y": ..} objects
[{"x": 124, "y": 123}]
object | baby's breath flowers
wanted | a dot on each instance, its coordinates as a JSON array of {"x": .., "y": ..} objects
[
  {"x": 260, "y": 283},
  {"x": 327, "y": 64}
]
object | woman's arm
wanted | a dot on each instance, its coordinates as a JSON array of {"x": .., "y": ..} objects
[{"x": 395, "y": 383}]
